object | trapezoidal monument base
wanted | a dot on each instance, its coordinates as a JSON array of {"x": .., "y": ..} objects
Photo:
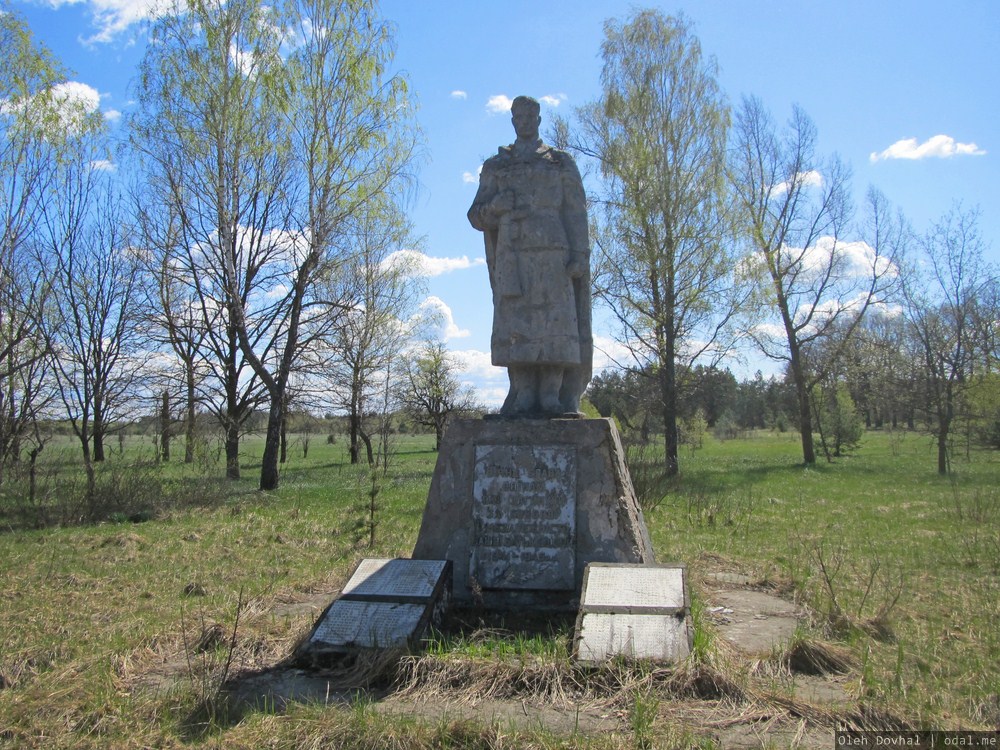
[{"x": 521, "y": 506}]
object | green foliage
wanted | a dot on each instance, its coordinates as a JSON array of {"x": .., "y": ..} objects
[
  {"x": 649, "y": 475},
  {"x": 982, "y": 404},
  {"x": 839, "y": 425},
  {"x": 663, "y": 264},
  {"x": 694, "y": 429}
]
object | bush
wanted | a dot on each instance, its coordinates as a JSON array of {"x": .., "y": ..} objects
[
  {"x": 134, "y": 492},
  {"x": 838, "y": 423}
]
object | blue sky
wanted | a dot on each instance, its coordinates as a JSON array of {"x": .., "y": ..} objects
[{"x": 913, "y": 82}]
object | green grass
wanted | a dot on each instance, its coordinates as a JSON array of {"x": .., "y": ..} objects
[
  {"x": 881, "y": 522},
  {"x": 94, "y": 618}
]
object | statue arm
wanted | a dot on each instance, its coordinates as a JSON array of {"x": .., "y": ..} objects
[
  {"x": 480, "y": 214},
  {"x": 575, "y": 220}
]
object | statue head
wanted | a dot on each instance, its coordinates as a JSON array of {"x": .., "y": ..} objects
[{"x": 525, "y": 116}]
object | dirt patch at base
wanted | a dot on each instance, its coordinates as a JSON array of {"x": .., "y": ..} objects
[{"x": 777, "y": 705}]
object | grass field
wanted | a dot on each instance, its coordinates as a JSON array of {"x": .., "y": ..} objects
[{"x": 100, "y": 623}]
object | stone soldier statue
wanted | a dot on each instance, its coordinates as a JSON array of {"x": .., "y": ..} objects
[{"x": 532, "y": 211}]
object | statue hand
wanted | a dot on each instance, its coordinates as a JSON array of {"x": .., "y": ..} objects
[{"x": 575, "y": 269}]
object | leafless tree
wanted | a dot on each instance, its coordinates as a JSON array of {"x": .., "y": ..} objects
[
  {"x": 94, "y": 332},
  {"x": 813, "y": 285},
  {"x": 943, "y": 308},
  {"x": 379, "y": 289},
  {"x": 431, "y": 391}
]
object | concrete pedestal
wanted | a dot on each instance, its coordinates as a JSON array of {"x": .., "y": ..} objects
[{"x": 520, "y": 507}]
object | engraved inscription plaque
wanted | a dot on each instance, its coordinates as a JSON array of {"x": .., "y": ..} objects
[
  {"x": 386, "y": 603},
  {"x": 633, "y": 611},
  {"x": 524, "y": 517},
  {"x": 658, "y": 637},
  {"x": 368, "y": 624},
  {"x": 623, "y": 588},
  {"x": 394, "y": 578}
]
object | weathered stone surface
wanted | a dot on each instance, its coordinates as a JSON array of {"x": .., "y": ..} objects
[
  {"x": 524, "y": 517},
  {"x": 384, "y": 578},
  {"x": 607, "y": 523},
  {"x": 633, "y": 588},
  {"x": 386, "y": 603},
  {"x": 633, "y": 611},
  {"x": 605, "y": 636},
  {"x": 532, "y": 211},
  {"x": 357, "y": 624}
]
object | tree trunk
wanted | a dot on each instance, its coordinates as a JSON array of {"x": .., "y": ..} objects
[
  {"x": 802, "y": 394},
  {"x": 284, "y": 436},
  {"x": 269, "y": 474},
  {"x": 942, "y": 449},
  {"x": 88, "y": 467},
  {"x": 232, "y": 449},
  {"x": 165, "y": 427},
  {"x": 805, "y": 425},
  {"x": 366, "y": 439},
  {"x": 945, "y": 414},
  {"x": 98, "y": 432},
  {"x": 354, "y": 427},
  {"x": 668, "y": 396},
  {"x": 189, "y": 426}
]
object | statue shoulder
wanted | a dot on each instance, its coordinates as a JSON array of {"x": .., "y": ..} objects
[
  {"x": 501, "y": 157},
  {"x": 558, "y": 156}
]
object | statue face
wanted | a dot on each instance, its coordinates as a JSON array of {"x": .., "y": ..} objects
[{"x": 526, "y": 123}]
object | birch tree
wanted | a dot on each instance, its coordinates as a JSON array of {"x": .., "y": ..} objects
[
  {"x": 658, "y": 134},
  {"x": 214, "y": 151},
  {"x": 28, "y": 159},
  {"x": 351, "y": 143}
]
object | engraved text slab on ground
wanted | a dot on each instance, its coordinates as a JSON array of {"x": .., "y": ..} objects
[
  {"x": 352, "y": 624},
  {"x": 524, "y": 516},
  {"x": 397, "y": 580},
  {"x": 633, "y": 611},
  {"x": 386, "y": 603}
]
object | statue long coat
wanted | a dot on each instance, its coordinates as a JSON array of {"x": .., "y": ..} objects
[{"x": 540, "y": 314}]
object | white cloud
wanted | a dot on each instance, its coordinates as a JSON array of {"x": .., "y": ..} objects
[
  {"x": 73, "y": 95},
  {"x": 459, "y": 94},
  {"x": 768, "y": 332},
  {"x": 279, "y": 291},
  {"x": 438, "y": 318},
  {"x": 940, "y": 147},
  {"x": 812, "y": 178},
  {"x": 498, "y": 104},
  {"x": 112, "y": 17},
  {"x": 112, "y": 115},
  {"x": 103, "y": 165},
  {"x": 478, "y": 364},
  {"x": 71, "y": 102},
  {"x": 861, "y": 259},
  {"x": 610, "y": 354},
  {"x": 419, "y": 264},
  {"x": 472, "y": 178},
  {"x": 478, "y": 371},
  {"x": 242, "y": 61}
]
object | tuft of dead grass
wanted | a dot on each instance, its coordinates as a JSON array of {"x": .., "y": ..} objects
[{"x": 814, "y": 657}]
